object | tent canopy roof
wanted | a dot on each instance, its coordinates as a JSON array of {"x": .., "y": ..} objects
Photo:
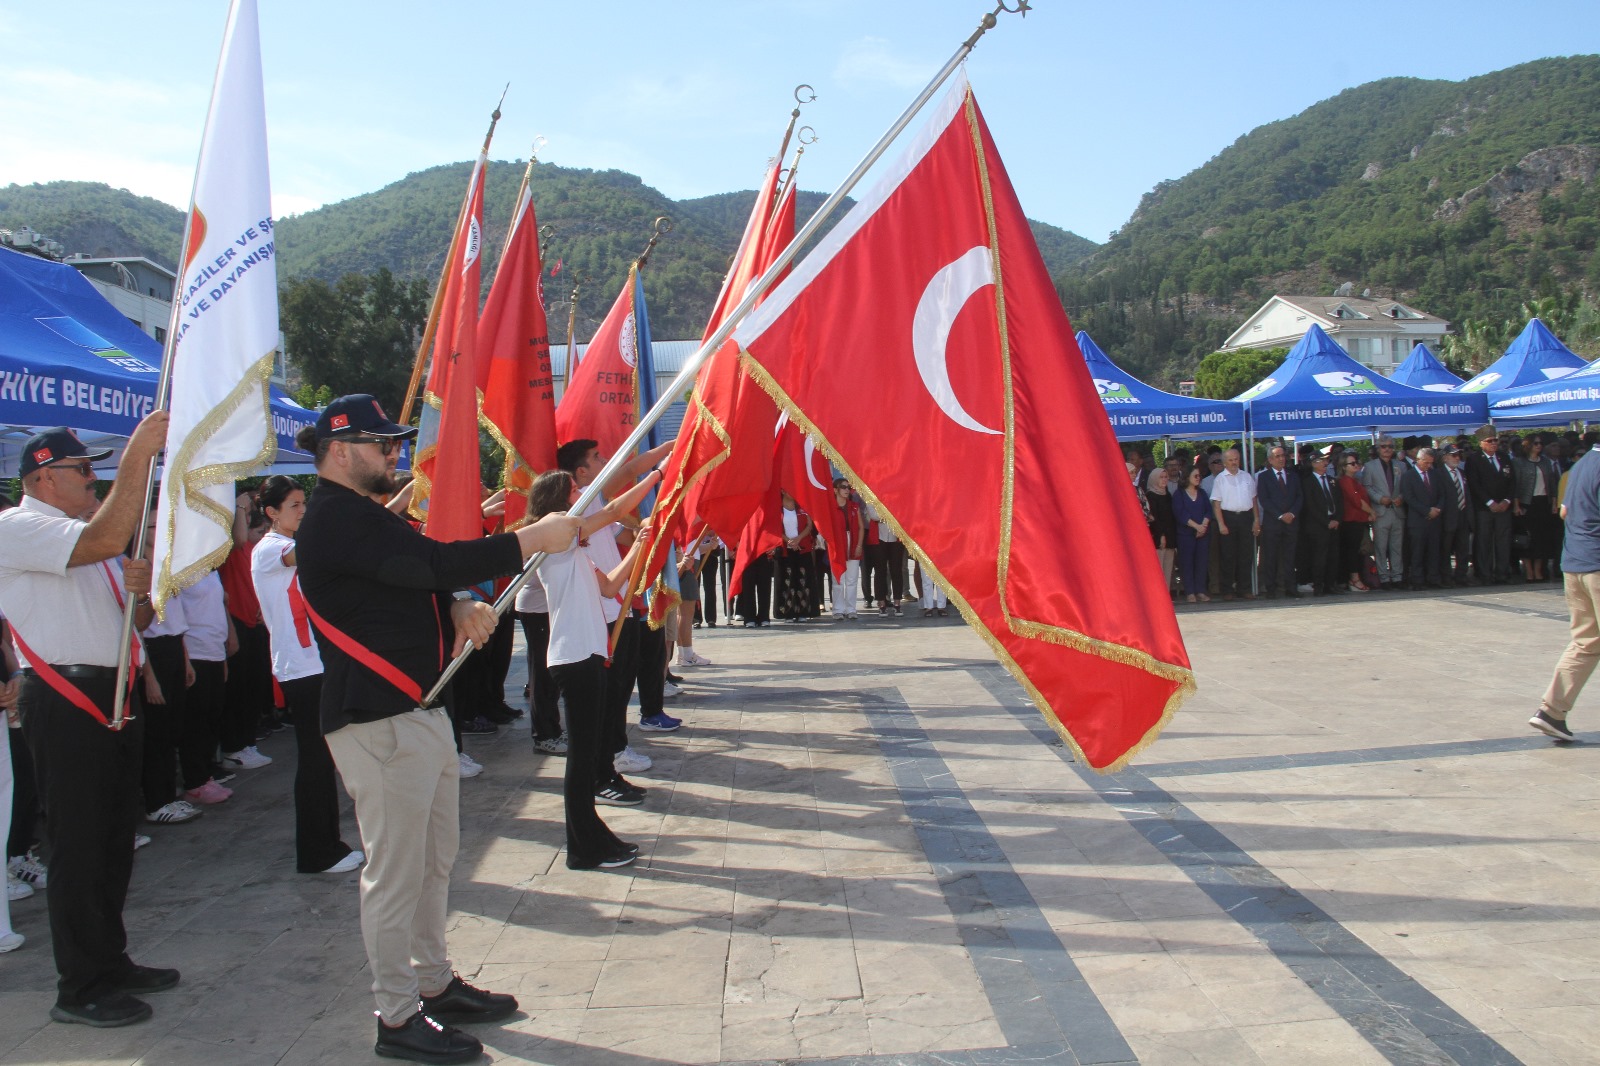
[
  {"x": 1142, "y": 412},
  {"x": 1422, "y": 370},
  {"x": 1535, "y": 357}
]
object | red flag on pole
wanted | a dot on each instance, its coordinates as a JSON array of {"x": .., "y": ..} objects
[
  {"x": 925, "y": 348},
  {"x": 449, "y": 473},
  {"x": 514, "y": 365},
  {"x": 804, "y": 474},
  {"x": 601, "y": 400}
]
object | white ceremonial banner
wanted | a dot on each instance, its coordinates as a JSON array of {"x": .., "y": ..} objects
[{"x": 225, "y": 325}]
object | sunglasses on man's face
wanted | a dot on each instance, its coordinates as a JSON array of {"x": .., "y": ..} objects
[
  {"x": 82, "y": 466},
  {"x": 388, "y": 445}
]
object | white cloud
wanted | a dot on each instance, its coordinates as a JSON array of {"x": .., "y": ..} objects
[{"x": 868, "y": 61}]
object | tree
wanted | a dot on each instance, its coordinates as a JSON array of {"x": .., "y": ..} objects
[
  {"x": 1224, "y": 375},
  {"x": 358, "y": 335}
]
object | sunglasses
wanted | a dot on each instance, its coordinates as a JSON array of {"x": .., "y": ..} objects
[
  {"x": 82, "y": 466},
  {"x": 388, "y": 445}
]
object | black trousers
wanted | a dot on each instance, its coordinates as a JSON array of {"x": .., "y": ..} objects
[
  {"x": 1425, "y": 541},
  {"x": 652, "y": 670},
  {"x": 249, "y": 690},
  {"x": 88, "y": 778},
  {"x": 1238, "y": 550},
  {"x": 1277, "y": 555},
  {"x": 755, "y": 591},
  {"x": 709, "y": 570},
  {"x": 1494, "y": 546},
  {"x": 544, "y": 696},
  {"x": 1350, "y": 536},
  {"x": 891, "y": 579},
  {"x": 587, "y": 690},
  {"x": 24, "y": 799},
  {"x": 163, "y": 724},
  {"x": 871, "y": 558},
  {"x": 316, "y": 782},
  {"x": 796, "y": 570},
  {"x": 1457, "y": 544},
  {"x": 620, "y": 677},
  {"x": 1322, "y": 556},
  {"x": 202, "y": 716},
  {"x": 819, "y": 580}
]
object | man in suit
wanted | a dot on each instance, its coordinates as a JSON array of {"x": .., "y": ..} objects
[
  {"x": 1323, "y": 505},
  {"x": 1381, "y": 478},
  {"x": 1280, "y": 499},
  {"x": 1455, "y": 500},
  {"x": 1493, "y": 485},
  {"x": 1420, "y": 487}
]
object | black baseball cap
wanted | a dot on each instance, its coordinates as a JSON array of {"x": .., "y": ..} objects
[
  {"x": 358, "y": 415},
  {"x": 53, "y": 445}
]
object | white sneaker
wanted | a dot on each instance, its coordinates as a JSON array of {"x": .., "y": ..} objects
[
  {"x": 470, "y": 767},
  {"x": 27, "y": 868},
  {"x": 16, "y": 890},
  {"x": 628, "y": 761},
  {"x": 174, "y": 812},
  {"x": 668, "y": 689},
  {"x": 11, "y": 942},
  {"x": 690, "y": 657},
  {"x": 349, "y": 862},
  {"x": 139, "y": 841},
  {"x": 247, "y": 758}
]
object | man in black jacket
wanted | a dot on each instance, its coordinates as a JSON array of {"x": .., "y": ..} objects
[
  {"x": 1278, "y": 492},
  {"x": 1320, "y": 516},
  {"x": 1493, "y": 486},
  {"x": 1455, "y": 500},
  {"x": 381, "y": 597},
  {"x": 1421, "y": 488}
]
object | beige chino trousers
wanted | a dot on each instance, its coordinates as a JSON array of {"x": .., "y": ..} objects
[
  {"x": 1583, "y": 651},
  {"x": 405, "y": 778}
]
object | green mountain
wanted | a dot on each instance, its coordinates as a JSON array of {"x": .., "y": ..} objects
[
  {"x": 89, "y": 217},
  {"x": 1465, "y": 198}
]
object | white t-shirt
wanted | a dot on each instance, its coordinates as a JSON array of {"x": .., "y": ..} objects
[
  {"x": 69, "y": 616},
  {"x": 203, "y": 606},
  {"x": 1233, "y": 490},
  {"x": 578, "y": 626},
  {"x": 603, "y": 550},
  {"x": 531, "y": 598},
  {"x": 175, "y": 624},
  {"x": 294, "y": 648}
]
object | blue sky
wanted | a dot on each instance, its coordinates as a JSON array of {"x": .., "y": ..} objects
[{"x": 1091, "y": 104}]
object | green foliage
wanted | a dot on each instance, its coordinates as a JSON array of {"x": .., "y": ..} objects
[
  {"x": 89, "y": 217},
  {"x": 1296, "y": 206},
  {"x": 357, "y": 335},
  {"x": 313, "y": 396},
  {"x": 1224, "y": 375}
]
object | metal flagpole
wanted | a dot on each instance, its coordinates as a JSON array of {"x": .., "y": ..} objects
[{"x": 757, "y": 289}]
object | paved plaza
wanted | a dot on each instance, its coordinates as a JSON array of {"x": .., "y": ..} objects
[{"x": 866, "y": 847}]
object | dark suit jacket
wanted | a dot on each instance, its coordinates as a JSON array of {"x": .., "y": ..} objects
[
  {"x": 1449, "y": 507},
  {"x": 1276, "y": 499},
  {"x": 1320, "y": 509},
  {"x": 1421, "y": 498},
  {"x": 1487, "y": 485}
]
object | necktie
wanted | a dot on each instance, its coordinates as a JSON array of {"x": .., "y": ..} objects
[
  {"x": 1461, "y": 490},
  {"x": 1281, "y": 480}
]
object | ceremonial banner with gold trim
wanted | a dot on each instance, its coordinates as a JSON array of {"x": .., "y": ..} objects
[
  {"x": 227, "y": 325},
  {"x": 923, "y": 346}
]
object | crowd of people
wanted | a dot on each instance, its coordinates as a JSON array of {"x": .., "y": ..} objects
[{"x": 1394, "y": 516}]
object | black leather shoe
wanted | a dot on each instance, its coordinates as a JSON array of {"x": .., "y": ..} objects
[
  {"x": 603, "y": 862},
  {"x": 421, "y": 1039},
  {"x": 460, "y": 1004},
  {"x": 143, "y": 979},
  {"x": 111, "y": 1010}
]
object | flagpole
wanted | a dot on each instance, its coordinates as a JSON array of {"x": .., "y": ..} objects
[
  {"x": 164, "y": 387},
  {"x": 572, "y": 329},
  {"x": 752, "y": 295},
  {"x": 437, "y": 309}
]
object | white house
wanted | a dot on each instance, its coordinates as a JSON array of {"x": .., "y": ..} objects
[{"x": 1377, "y": 333}]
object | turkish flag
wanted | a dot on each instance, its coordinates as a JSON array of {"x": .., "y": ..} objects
[
  {"x": 602, "y": 396},
  {"x": 924, "y": 346},
  {"x": 514, "y": 366},
  {"x": 448, "y": 470},
  {"x": 804, "y": 474}
]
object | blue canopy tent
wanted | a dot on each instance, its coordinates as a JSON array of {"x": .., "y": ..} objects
[
  {"x": 1422, "y": 370},
  {"x": 1574, "y": 397},
  {"x": 67, "y": 357},
  {"x": 1535, "y": 357},
  {"x": 1318, "y": 391},
  {"x": 1142, "y": 412}
]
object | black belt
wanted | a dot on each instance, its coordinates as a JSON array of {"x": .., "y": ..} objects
[{"x": 107, "y": 672}]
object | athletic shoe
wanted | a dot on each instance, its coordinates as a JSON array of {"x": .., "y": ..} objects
[
  {"x": 421, "y": 1039},
  {"x": 210, "y": 792},
  {"x": 221, "y": 774},
  {"x": 660, "y": 723},
  {"x": 674, "y": 678},
  {"x": 669, "y": 690},
  {"x": 1555, "y": 728},
  {"x": 623, "y": 784},
  {"x": 690, "y": 657},
  {"x": 16, "y": 890},
  {"x": 11, "y": 942},
  {"x": 348, "y": 863},
  {"x": 470, "y": 767},
  {"x": 27, "y": 869},
  {"x": 605, "y": 862},
  {"x": 174, "y": 812},
  {"x": 628, "y": 761},
  {"x": 112, "y": 1010},
  {"x": 461, "y": 1004},
  {"x": 246, "y": 758},
  {"x": 610, "y": 795},
  {"x": 479, "y": 727},
  {"x": 553, "y": 746},
  {"x": 139, "y": 841}
]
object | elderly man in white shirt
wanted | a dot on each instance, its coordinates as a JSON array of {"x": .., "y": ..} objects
[{"x": 1233, "y": 503}]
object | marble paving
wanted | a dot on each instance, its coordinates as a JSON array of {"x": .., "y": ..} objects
[{"x": 863, "y": 847}]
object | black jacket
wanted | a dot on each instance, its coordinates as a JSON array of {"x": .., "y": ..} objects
[{"x": 1486, "y": 485}]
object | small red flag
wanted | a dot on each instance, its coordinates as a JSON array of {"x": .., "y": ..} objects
[
  {"x": 601, "y": 400},
  {"x": 925, "y": 348}
]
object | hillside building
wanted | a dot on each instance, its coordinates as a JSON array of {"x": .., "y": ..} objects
[{"x": 1376, "y": 333}]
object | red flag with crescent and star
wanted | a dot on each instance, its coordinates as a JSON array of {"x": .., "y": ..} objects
[
  {"x": 518, "y": 406},
  {"x": 967, "y": 413},
  {"x": 601, "y": 400},
  {"x": 448, "y": 470}
]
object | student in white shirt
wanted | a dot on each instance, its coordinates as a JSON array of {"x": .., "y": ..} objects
[
  {"x": 297, "y": 665},
  {"x": 206, "y": 644}
]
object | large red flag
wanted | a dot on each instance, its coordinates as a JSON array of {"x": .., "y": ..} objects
[
  {"x": 925, "y": 348},
  {"x": 601, "y": 401},
  {"x": 803, "y": 473},
  {"x": 448, "y": 470},
  {"x": 514, "y": 364}
]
